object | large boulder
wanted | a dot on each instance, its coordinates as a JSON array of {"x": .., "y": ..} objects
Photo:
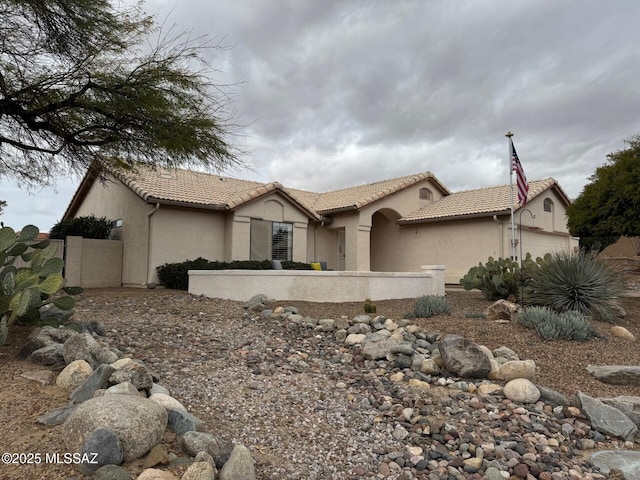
[
  {"x": 239, "y": 466},
  {"x": 607, "y": 419},
  {"x": 463, "y": 357},
  {"x": 616, "y": 374},
  {"x": 138, "y": 423}
]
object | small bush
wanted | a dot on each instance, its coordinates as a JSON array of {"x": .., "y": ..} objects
[
  {"x": 86, "y": 227},
  {"x": 176, "y": 276},
  {"x": 429, "y": 305},
  {"x": 580, "y": 282},
  {"x": 552, "y": 325}
]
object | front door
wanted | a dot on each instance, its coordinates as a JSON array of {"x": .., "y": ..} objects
[{"x": 341, "y": 249}]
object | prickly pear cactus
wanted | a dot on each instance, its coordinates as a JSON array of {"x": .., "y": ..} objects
[{"x": 23, "y": 290}]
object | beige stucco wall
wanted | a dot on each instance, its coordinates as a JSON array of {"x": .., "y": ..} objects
[
  {"x": 92, "y": 263},
  {"x": 115, "y": 201},
  {"x": 271, "y": 207},
  {"x": 461, "y": 244},
  {"x": 357, "y": 226},
  {"x": 316, "y": 286},
  {"x": 179, "y": 234}
]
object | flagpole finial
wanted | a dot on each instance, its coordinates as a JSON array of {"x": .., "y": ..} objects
[{"x": 509, "y": 134}]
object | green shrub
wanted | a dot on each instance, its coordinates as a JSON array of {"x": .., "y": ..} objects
[
  {"x": 86, "y": 227},
  {"x": 429, "y": 305},
  {"x": 552, "y": 325},
  {"x": 499, "y": 279},
  {"x": 176, "y": 276},
  {"x": 579, "y": 282},
  {"x": 23, "y": 290}
]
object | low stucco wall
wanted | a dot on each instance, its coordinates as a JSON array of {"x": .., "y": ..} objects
[{"x": 313, "y": 286}]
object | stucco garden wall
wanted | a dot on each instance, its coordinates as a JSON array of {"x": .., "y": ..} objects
[{"x": 314, "y": 286}]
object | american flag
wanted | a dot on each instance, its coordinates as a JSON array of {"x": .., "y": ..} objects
[{"x": 522, "y": 185}]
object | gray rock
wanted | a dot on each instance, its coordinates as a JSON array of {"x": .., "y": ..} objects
[
  {"x": 157, "y": 388},
  {"x": 81, "y": 347},
  {"x": 111, "y": 472},
  {"x": 137, "y": 422},
  {"x": 124, "y": 388},
  {"x": 628, "y": 405},
  {"x": 50, "y": 355},
  {"x": 181, "y": 421},
  {"x": 616, "y": 374},
  {"x": 133, "y": 372},
  {"x": 463, "y": 357},
  {"x": 554, "y": 397},
  {"x": 43, "y": 377},
  {"x": 505, "y": 352},
  {"x": 359, "y": 328},
  {"x": 167, "y": 401},
  {"x": 626, "y": 461},
  {"x": 50, "y": 312},
  {"x": 217, "y": 447},
  {"x": 256, "y": 302},
  {"x": 240, "y": 465},
  {"x": 200, "y": 471},
  {"x": 98, "y": 379},
  {"x": 607, "y": 419},
  {"x": 106, "y": 445},
  {"x": 327, "y": 325},
  {"x": 56, "y": 416},
  {"x": 403, "y": 348},
  {"x": 376, "y": 350},
  {"x": 361, "y": 319}
]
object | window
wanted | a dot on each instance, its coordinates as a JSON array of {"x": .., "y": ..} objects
[
  {"x": 116, "y": 223},
  {"x": 548, "y": 205},
  {"x": 271, "y": 240},
  {"x": 425, "y": 194}
]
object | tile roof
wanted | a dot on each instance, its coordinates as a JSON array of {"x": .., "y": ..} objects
[
  {"x": 353, "y": 198},
  {"x": 213, "y": 191},
  {"x": 478, "y": 202}
]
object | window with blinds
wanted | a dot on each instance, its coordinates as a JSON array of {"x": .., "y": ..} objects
[{"x": 271, "y": 240}]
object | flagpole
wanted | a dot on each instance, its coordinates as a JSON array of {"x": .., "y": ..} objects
[{"x": 513, "y": 225}]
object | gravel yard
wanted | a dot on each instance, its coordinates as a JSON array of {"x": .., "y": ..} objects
[{"x": 235, "y": 371}]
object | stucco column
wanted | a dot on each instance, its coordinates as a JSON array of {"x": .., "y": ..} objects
[
  {"x": 357, "y": 248},
  {"x": 238, "y": 243},
  {"x": 299, "y": 253}
]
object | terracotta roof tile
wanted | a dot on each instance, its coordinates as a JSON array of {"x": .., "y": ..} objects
[
  {"x": 360, "y": 195},
  {"x": 477, "y": 202}
]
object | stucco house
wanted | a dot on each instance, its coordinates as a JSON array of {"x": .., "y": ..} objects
[{"x": 393, "y": 225}]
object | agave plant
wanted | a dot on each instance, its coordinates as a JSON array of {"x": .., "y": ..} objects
[
  {"x": 579, "y": 282},
  {"x": 551, "y": 325}
]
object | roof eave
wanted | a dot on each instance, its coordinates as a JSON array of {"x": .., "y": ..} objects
[{"x": 453, "y": 217}]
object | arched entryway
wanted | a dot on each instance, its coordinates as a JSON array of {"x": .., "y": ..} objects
[{"x": 384, "y": 239}]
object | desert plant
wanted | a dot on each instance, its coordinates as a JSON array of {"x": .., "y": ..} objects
[
  {"x": 552, "y": 325},
  {"x": 497, "y": 279},
  {"x": 502, "y": 278},
  {"x": 430, "y": 305},
  {"x": 370, "y": 307},
  {"x": 23, "y": 290},
  {"x": 579, "y": 282}
]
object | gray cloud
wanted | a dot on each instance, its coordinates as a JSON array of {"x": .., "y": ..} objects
[{"x": 338, "y": 93}]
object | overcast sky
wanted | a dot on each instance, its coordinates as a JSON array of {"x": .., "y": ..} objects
[{"x": 338, "y": 93}]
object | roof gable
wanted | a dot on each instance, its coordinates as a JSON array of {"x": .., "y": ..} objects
[
  {"x": 354, "y": 198},
  {"x": 479, "y": 202}
]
